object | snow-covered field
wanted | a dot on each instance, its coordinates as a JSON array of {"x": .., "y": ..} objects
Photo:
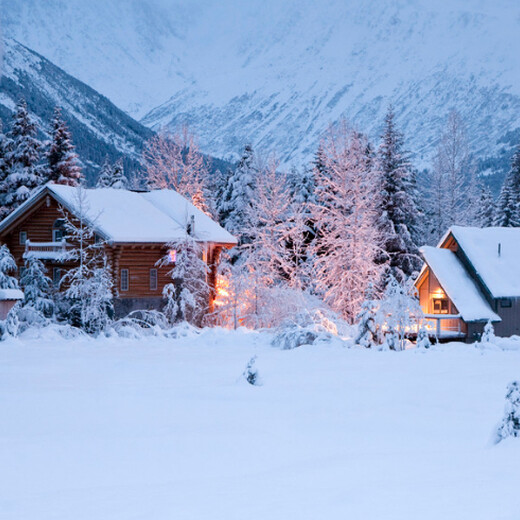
[{"x": 168, "y": 429}]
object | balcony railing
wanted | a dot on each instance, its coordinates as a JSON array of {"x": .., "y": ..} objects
[
  {"x": 445, "y": 326},
  {"x": 46, "y": 250}
]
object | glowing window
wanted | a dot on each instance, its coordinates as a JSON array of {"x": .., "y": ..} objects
[{"x": 172, "y": 256}]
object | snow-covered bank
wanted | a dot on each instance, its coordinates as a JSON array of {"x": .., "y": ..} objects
[{"x": 161, "y": 428}]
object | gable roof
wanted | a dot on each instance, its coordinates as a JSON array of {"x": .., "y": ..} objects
[
  {"x": 126, "y": 216},
  {"x": 458, "y": 284},
  {"x": 500, "y": 273}
]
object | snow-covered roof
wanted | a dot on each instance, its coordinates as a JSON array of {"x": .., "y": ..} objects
[
  {"x": 128, "y": 216},
  {"x": 11, "y": 294},
  {"x": 458, "y": 284},
  {"x": 499, "y": 272}
]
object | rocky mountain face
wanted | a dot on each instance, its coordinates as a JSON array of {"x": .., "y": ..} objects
[{"x": 276, "y": 73}]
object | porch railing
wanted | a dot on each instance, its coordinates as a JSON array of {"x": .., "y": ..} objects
[
  {"x": 46, "y": 250},
  {"x": 445, "y": 325}
]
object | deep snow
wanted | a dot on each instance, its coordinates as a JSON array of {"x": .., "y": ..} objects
[{"x": 161, "y": 429}]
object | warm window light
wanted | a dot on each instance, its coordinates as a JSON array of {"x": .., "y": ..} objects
[
  {"x": 172, "y": 255},
  {"x": 439, "y": 293}
]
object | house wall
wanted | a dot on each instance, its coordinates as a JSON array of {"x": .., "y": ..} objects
[{"x": 510, "y": 324}]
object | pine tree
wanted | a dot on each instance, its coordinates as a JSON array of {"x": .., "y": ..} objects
[
  {"x": 187, "y": 296},
  {"x": 4, "y": 170},
  {"x": 423, "y": 339},
  {"x": 485, "y": 215},
  {"x": 368, "y": 327},
  {"x": 37, "y": 287},
  {"x": 399, "y": 212},
  {"x": 508, "y": 205},
  {"x": 7, "y": 267},
  {"x": 23, "y": 155},
  {"x": 105, "y": 175},
  {"x": 238, "y": 197},
  {"x": 62, "y": 160},
  {"x": 510, "y": 425}
]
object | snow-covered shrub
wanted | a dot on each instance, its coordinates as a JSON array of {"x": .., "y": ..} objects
[
  {"x": 369, "y": 330},
  {"x": 37, "y": 287},
  {"x": 423, "y": 339},
  {"x": 7, "y": 267},
  {"x": 488, "y": 336},
  {"x": 510, "y": 425},
  {"x": 295, "y": 336},
  {"x": 12, "y": 322},
  {"x": 251, "y": 373}
]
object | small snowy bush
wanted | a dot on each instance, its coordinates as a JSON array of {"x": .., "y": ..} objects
[
  {"x": 488, "y": 335},
  {"x": 251, "y": 373},
  {"x": 423, "y": 340},
  {"x": 510, "y": 425}
]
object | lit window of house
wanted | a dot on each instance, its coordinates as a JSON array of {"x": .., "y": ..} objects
[
  {"x": 172, "y": 256},
  {"x": 440, "y": 306}
]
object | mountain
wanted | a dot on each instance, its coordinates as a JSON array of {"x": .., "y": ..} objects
[
  {"x": 98, "y": 127},
  {"x": 277, "y": 72}
]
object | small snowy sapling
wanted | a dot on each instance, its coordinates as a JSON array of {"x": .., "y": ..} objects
[
  {"x": 251, "y": 373},
  {"x": 510, "y": 425},
  {"x": 423, "y": 340}
]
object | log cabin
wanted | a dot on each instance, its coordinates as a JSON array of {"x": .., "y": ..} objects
[
  {"x": 134, "y": 228},
  {"x": 470, "y": 278}
]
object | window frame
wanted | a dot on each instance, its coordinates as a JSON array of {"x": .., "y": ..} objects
[
  {"x": 441, "y": 302},
  {"x": 153, "y": 278},
  {"x": 21, "y": 240},
  {"x": 506, "y": 303},
  {"x": 124, "y": 280}
]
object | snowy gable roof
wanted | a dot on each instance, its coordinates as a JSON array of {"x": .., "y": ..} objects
[
  {"x": 458, "y": 284},
  {"x": 136, "y": 217},
  {"x": 499, "y": 272}
]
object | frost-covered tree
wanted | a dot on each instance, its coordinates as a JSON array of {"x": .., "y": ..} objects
[
  {"x": 37, "y": 287},
  {"x": 508, "y": 205},
  {"x": 488, "y": 336},
  {"x": 345, "y": 213},
  {"x": 423, "y": 339},
  {"x": 251, "y": 373},
  {"x": 485, "y": 214},
  {"x": 7, "y": 267},
  {"x": 510, "y": 425},
  {"x": 239, "y": 195},
  {"x": 452, "y": 182},
  {"x": 369, "y": 330},
  {"x": 88, "y": 285},
  {"x": 104, "y": 179},
  {"x": 399, "y": 218},
  {"x": 187, "y": 296},
  {"x": 399, "y": 312},
  {"x": 4, "y": 170},
  {"x": 174, "y": 161},
  {"x": 23, "y": 155},
  {"x": 62, "y": 160}
]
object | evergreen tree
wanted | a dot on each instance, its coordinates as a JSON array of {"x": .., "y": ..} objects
[
  {"x": 187, "y": 296},
  {"x": 508, "y": 205},
  {"x": 23, "y": 155},
  {"x": 62, "y": 160},
  {"x": 485, "y": 215},
  {"x": 105, "y": 175},
  {"x": 399, "y": 213},
  {"x": 7, "y": 267},
  {"x": 4, "y": 169},
  {"x": 238, "y": 197},
  {"x": 37, "y": 287},
  {"x": 510, "y": 425}
]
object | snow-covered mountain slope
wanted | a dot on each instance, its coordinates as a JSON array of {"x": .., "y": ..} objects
[
  {"x": 98, "y": 127},
  {"x": 276, "y": 72}
]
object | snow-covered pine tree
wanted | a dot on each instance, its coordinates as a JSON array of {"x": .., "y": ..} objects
[
  {"x": 187, "y": 296},
  {"x": 37, "y": 287},
  {"x": 238, "y": 197},
  {"x": 508, "y": 205},
  {"x": 488, "y": 336},
  {"x": 345, "y": 214},
  {"x": 117, "y": 177},
  {"x": 88, "y": 285},
  {"x": 7, "y": 267},
  {"x": 368, "y": 335},
  {"x": 399, "y": 218},
  {"x": 4, "y": 148},
  {"x": 423, "y": 339},
  {"x": 104, "y": 179},
  {"x": 62, "y": 160},
  {"x": 23, "y": 156},
  {"x": 485, "y": 215},
  {"x": 510, "y": 425}
]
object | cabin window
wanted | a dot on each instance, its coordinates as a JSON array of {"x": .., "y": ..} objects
[
  {"x": 153, "y": 279},
  {"x": 440, "y": 306},
  {"x": 23, "y": 237},
  {"x": 58, "y": 230},
  {"x": 56, "y": 276},
  {"x": 172, "y": 256},
  {"x": 506, "y": 302},
  {"x": 124, "y": 279}
]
